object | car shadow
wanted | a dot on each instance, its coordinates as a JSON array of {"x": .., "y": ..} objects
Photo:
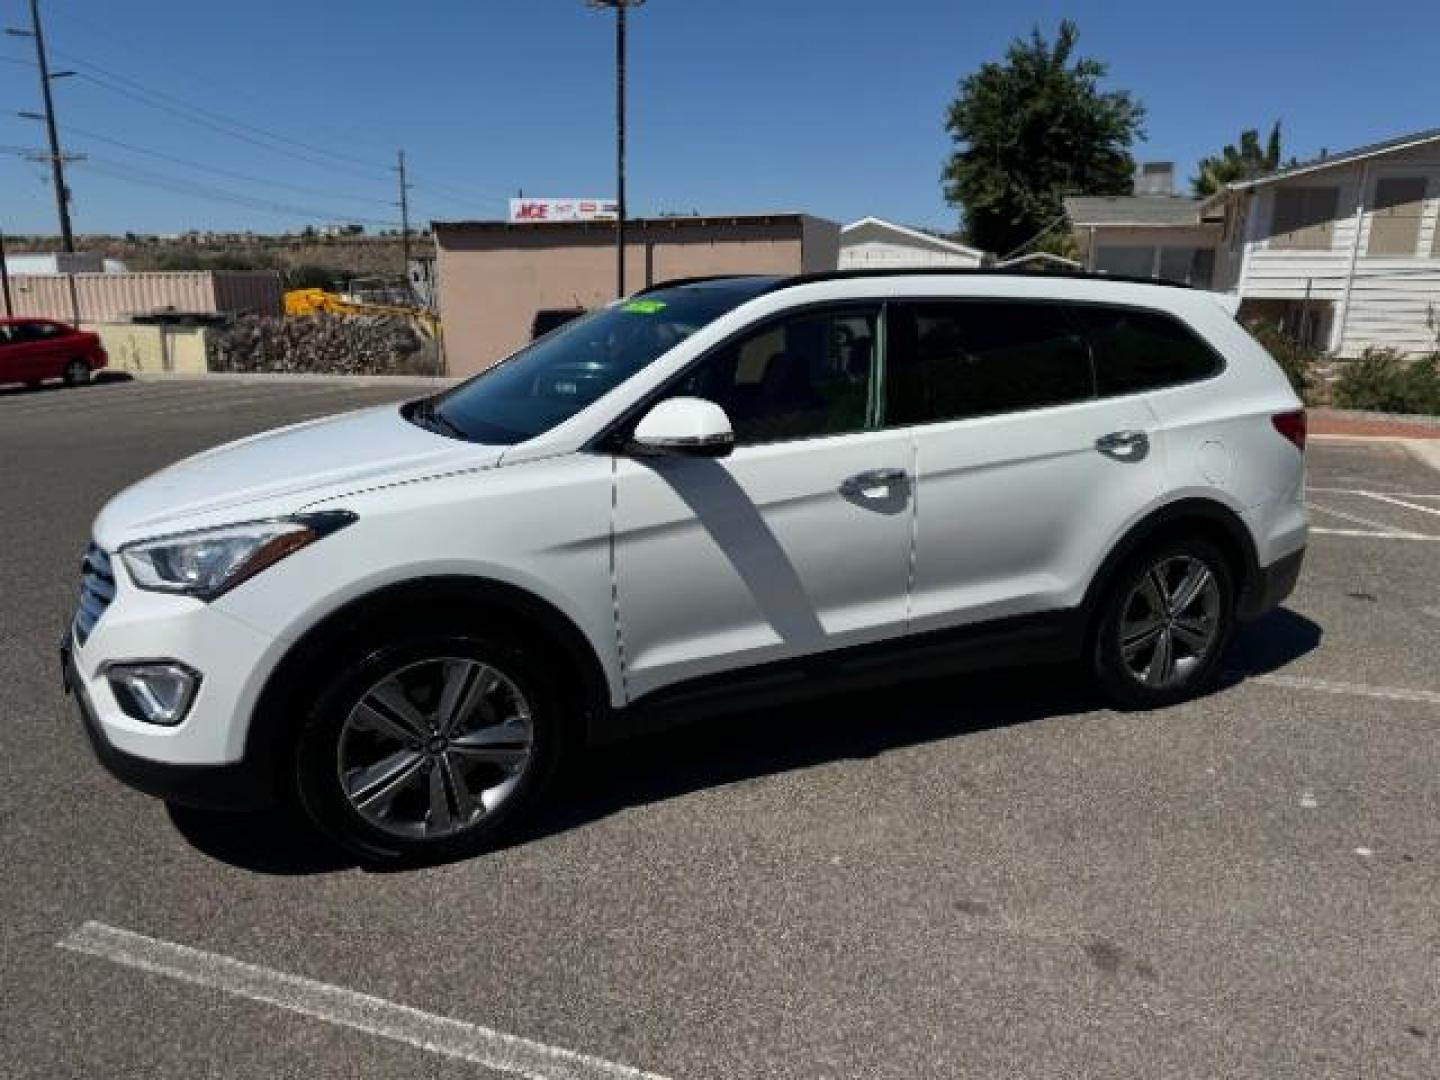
[
  {"x": 100, "y": 378},
  {"x": 858, "y": 726},
  {"x": 273, "y": 842},
  {"x": 759, "y": 743}
]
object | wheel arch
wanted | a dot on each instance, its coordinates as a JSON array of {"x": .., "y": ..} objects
[
  {"x": 1195, "y": 516},
  {"x": 465, "y": 601}
]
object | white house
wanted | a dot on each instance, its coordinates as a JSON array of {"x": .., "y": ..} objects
[
  {"x": 871, "y": 244},
  {"x": 1343, "y": 250}
]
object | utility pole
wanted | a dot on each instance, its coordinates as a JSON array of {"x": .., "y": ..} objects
[
  {"x": 621, "y": 8},
  {"x": 404, "y": 205},
  {"x": 5, "y": 280},
  {"x": 56, "y": 158}
]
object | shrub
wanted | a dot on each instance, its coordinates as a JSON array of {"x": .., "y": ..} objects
[
  {"x": 1383, "y": 380},
  {"x": 1298, "y": 361}
]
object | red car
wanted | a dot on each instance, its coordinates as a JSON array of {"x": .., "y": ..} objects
[{"x": 33, "y": 350}]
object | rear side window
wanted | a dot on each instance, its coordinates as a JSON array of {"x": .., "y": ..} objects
[
  {"x": 1143, "y": 350},
  {"x": 948, "y": 360}
]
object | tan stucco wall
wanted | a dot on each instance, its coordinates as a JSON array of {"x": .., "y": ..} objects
[
  {"x": 1110, "y": 236},
  {"x": 153, "y": 349},
  {"x": 491, "y": 280}
]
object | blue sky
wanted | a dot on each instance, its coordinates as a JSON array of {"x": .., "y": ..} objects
[{"x": 834, "y": 108}]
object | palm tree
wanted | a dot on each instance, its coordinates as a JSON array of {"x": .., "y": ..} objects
[{"x": 1244, "y": 162}]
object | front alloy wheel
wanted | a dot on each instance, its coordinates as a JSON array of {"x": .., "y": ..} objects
[
  {"x": 432, "y": 748},
  {"x": 428, "y": 747}
]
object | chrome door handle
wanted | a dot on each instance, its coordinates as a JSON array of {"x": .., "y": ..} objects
[
  {"x": 1124, "y": 445},
  {"x": 875, "y": 484},
  {"x": 877, "y": 478}
]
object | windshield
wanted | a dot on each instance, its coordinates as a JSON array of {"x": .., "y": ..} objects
[{"x": 552, "y": 379}]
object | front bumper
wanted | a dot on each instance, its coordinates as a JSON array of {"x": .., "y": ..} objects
[{"x": 242, "y": 785}]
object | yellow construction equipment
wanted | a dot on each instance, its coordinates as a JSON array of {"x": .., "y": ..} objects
[{"x": 301, "y": 302}]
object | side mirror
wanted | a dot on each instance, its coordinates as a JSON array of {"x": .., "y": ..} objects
[{"x": 685, "y": 425}]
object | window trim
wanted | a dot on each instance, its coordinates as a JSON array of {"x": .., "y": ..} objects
[
  {"x": 612, "y": 439},
  {"x": 1066, "y": 307},
  {"x": 615, "y": 435}
]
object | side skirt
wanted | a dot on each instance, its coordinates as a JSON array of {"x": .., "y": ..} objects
[{"x": 1051, "y": 637}]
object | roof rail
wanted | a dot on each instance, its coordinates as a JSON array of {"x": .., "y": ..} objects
[
  {"x": 680, "y": 283},
  {"x": 972, "y": 271},
  {"x": 779, "y": 282}
]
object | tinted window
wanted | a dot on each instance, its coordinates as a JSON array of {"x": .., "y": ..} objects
[
  {"x": 36, "y": 331},
  {"x": 806, "y": 375},
  {"x": 554, "y": 378},
  {"x": 1143, "y": 350},
  {"x": 952, "y": 359}
]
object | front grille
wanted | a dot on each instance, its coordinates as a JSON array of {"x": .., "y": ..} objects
[{"x": 97, "y": 589}]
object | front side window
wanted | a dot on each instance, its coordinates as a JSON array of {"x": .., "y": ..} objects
[
  {"x": 808, "y": 374},
  {"x": 550, "y": 381},
  {"x": 35, "y": 331},
  {"x": 1137, "y": 350},
  {"x": 948, "y": 360}
]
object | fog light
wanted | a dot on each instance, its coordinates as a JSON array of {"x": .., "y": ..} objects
[{"x": 158, "y": 693}]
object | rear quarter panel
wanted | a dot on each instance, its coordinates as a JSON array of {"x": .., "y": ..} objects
[{"x": 1217, "y": 434}]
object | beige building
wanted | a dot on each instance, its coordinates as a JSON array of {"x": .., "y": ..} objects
[
  {"x": 492, "y": 277},
  {"x": 1165, "y": 237}
]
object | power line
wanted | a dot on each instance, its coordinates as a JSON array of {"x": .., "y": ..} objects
[
  {"x": 146, "y": 99},
  {"x": 143, "y": 177},
  {"x": 227, "y": 173},
  {"x": 252, "y": 133}
]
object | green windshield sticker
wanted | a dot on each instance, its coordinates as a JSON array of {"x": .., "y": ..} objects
[{"x": 644, "y": 307}]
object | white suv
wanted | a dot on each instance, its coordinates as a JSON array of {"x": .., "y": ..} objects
[{"x": 717, "y": 491}]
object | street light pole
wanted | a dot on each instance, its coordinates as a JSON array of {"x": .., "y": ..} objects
[
  {"x": 621, "y": 10},
  {"x": 57, "y": 159}
]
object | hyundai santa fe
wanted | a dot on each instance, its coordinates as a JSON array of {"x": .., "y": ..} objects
[{"x": 716, "y": 492}]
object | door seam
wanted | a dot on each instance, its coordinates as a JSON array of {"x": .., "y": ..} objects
[
  {"x": 914, "y": 530},
  {"x": 615, "y": 580}
]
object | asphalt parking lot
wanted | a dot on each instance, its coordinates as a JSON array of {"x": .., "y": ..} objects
[{"x": 986, "y": 877}]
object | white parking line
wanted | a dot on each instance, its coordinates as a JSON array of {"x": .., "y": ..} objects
[
  {"x": 1369, "y": 535},
  {"x": 345, "y": 1008},
  {"x": 1325, "y": 686},
  {"x": 1363, "y": 491},
  {"x": 1401, "y": 502},
  {"x": 1381, "y": 528}
]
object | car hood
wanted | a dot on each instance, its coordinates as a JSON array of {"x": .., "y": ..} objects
[{"x": 280, "y": 472}]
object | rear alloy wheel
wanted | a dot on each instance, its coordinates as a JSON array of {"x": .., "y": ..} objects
[
  {"x": 428, "y": 749},
  {"x": 1165, "y": 625},
  {"x": 77, "y": 373}
]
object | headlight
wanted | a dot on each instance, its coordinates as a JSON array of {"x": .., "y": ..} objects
[{"x": 210, "y": 562}]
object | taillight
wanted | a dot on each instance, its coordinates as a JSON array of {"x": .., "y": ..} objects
[{"x": 1292, "y": 426}]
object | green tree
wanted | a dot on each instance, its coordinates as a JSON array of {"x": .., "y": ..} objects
[
  {"x": 1242, "y": 162},
  {"x": 1030, "y": 131}
]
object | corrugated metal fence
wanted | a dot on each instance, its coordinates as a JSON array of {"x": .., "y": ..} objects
[{"x": 118, "y": 297}]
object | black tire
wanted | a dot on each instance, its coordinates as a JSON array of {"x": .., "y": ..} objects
[
  {"x": 1115, "y": 666},
  {"x": 318, "y": 786},
  {"x": 77, "y": 373}
]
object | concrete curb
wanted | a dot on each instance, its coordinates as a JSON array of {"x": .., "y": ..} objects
[
  {"x": 1418, "y": 419},
  {"x": 1425, "y": 451},
  {"x": 397, "y": 381}
]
